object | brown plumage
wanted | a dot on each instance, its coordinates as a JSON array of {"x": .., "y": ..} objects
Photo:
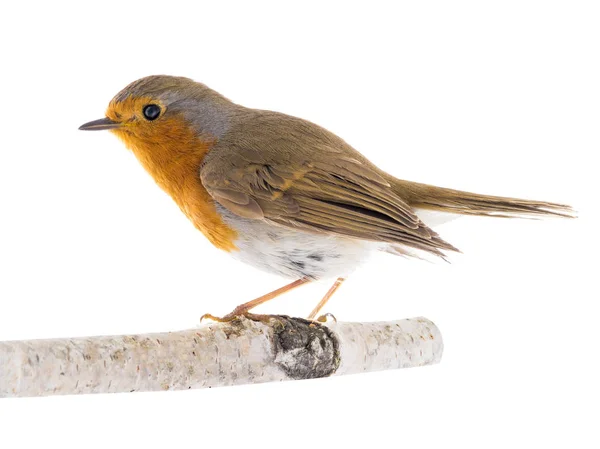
[{"x": 277, "y": 191}]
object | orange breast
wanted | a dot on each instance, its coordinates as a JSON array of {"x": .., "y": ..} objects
[{"x": 172, "y": 153}]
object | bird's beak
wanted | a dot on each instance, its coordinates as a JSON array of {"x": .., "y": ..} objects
[{"x": 98, "y": 125}]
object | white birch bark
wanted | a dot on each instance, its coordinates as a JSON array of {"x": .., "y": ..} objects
[{"x": 242, "y": 351}]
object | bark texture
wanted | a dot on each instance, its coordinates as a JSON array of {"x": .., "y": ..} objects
[{"x": 239, "y": 352}]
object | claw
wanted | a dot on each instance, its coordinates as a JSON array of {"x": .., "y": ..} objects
[
  {"x": 208, "y": 316},
  {"x": 326, "y": 317},
  {"x": 235, "y": 315}
]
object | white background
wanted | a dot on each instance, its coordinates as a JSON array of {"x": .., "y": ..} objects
[{"x": 498, "y": 98}]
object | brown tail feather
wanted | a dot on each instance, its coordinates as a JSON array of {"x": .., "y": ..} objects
[{"x": 466, "y": 203}]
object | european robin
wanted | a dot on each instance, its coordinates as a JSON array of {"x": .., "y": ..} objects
[{"x": 281, "y": 193}]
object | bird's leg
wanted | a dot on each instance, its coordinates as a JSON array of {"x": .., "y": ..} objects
[
  {"x": 243, "y": 309},
  {"x": 328, "y": 295}
]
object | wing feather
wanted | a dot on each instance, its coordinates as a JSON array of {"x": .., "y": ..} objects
[{"x": 311, "y": 181}]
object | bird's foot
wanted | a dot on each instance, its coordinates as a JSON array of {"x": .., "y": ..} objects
[
  {"x": 236, "y": 315},
  {"x": 211, "y": 317},
  {"x": 244, "y": 309},
  {"x": 326, "y": 318}
]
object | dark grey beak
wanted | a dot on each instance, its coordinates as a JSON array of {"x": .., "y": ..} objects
[{"x": 98, "y": 125}]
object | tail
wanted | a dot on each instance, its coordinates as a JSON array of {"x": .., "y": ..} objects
[{"x": 425, "y": 196}]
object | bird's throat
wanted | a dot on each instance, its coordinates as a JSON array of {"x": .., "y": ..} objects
[{"x": 173, "y": 159}]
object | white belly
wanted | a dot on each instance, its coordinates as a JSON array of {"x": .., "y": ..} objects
[{"x": 295, "y": 254}]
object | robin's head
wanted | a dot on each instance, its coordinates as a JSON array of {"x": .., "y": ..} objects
[
  {"x": 158, "y": 110},
  {"x": 170, "y": 124}
]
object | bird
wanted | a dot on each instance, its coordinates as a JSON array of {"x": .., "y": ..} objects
[{"x": 281, "y": 193}]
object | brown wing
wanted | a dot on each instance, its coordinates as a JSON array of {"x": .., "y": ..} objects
[{"x": 305, "y": 177}]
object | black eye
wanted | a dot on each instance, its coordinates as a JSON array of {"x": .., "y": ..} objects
[{"x": 151, "y": 111}]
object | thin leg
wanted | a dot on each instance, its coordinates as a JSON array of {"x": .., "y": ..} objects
[
  {"x": 328, "y": 295},
  {"x": 247, "y": 306}
]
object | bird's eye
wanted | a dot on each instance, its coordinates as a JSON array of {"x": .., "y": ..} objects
[{"x": 151, "y": 111}]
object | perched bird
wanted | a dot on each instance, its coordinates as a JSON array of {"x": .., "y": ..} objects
[{"x": 281, "y": 193}]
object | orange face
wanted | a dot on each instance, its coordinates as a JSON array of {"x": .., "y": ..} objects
[
  {"x": 172, "y": 152},
  {"x": 132, "y": 113},
  {"x": 147, "y": 129}
]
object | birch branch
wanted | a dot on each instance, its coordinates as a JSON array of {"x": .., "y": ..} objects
[{"x": 239, "y": 352}]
